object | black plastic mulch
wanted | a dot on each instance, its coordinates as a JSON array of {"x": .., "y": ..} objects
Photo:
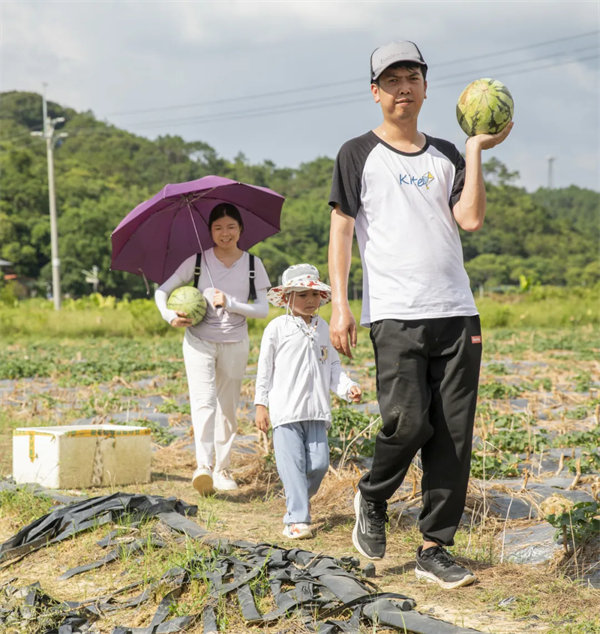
[{"x": 313, "y": 588}]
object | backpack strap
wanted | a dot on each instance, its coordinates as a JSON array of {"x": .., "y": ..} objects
[
  {"x": 197, "y": 269},
  {"x": 252, "y": 275}
]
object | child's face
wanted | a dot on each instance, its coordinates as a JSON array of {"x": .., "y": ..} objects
[{"x": 304, "y": 303}]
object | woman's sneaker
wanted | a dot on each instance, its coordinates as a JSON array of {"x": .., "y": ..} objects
[
  {"x": 297, "y": 531},
  {"x": 202, "y": 480},
  {"x": 222, "y": 481},
  {"x": 368, "y": 535},
  {"x": 438, "y": 566}
]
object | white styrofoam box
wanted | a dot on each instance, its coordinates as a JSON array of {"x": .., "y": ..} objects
[{"x": 81, "y": 456}]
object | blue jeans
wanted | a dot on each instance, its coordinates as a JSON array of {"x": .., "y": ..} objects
[{"x": 302, "y": 457}]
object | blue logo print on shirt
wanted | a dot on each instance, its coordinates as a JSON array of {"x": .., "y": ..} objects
[{"x": 422, "y": 181}]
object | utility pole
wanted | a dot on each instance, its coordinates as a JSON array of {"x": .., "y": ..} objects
[
  {"x": 51, "y": 138},
  {"x": 550, "y": 162}
]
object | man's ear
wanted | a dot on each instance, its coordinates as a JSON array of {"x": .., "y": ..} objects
[{"x": 375, "y": 92}]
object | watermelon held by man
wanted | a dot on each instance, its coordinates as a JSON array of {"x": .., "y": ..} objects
[
  {"x": 485, "y": 106},
  {"x": 189, "y": 300}
]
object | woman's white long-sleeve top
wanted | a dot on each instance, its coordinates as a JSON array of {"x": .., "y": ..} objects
[
  {"x": 297, "y": 366},
  {"x": 220, "y": 325}
]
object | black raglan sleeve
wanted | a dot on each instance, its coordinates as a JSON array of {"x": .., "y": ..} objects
[
  {"x": 348, "y": 171},
  {"x": 456, "y": 158}
]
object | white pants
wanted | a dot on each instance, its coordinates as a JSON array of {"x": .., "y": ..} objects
[{"x": 214, "y": 374}]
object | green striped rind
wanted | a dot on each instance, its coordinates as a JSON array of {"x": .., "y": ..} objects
[
  {"x": 188, "y": 299},
  {"x": 485, "y": 106}
]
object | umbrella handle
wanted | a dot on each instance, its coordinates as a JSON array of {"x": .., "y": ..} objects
[
  {"x": 198, "y": 237},
  {"x": 145, "y": 282}
]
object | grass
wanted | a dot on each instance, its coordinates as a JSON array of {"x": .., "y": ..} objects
[{"x": 95, "y": 362}]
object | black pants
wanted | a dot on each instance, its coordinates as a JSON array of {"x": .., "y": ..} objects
[{"x": 427, "y": 377}]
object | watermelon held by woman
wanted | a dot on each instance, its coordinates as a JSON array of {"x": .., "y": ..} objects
[
  {"x": 189, "y": 300},
  {"x": 485, "y": 106}
]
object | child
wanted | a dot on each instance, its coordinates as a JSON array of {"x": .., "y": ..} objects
[{"x": 297, "y": 367}]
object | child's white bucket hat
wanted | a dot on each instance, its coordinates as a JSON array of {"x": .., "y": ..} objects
[{"x": 299, "y": 277}]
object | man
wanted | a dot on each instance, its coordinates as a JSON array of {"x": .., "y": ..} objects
[{"x": 404, "y": 193}]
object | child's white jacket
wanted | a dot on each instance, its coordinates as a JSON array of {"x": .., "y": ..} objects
[{"x": 297, "y": 367}]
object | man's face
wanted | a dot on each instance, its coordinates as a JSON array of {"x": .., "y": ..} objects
[{"x": 400, "y": 92}]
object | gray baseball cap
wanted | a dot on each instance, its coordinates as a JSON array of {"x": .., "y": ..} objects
[{"x": 393, "y": 52}]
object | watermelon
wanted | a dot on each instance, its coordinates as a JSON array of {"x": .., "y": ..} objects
[
  {"x": 485, "y": 106},
  {"x": 187, "y": 299}
]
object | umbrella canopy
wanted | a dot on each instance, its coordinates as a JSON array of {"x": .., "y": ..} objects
[{"x": 154, "y": 238}]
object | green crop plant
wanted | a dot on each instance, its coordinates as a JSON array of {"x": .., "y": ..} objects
[
  {"x": 520, "y": 440},
  {"x": 98, "y": 404},
  {"x": 496, "y": 368},
  {"x": 486, "y": 410},
  {"x": 583, "y": 382},
  {"x": 578, "y": 413},
  {"x": 496, "y": 390},
  {"x": 576, "y": 523},
  {"x": 588, "y": 462},
  {"x": 514, "y": 420},
  {"x": 492, "y": 465},
  {"x": 160, "y": 435},
  {"x": 585, "y": 439},
  {"x": 170, "y": 406},
  {"x": 535, "y": 385},
  {"x": 346, "y": 425}
]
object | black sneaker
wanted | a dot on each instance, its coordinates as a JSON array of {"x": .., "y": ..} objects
[
  {"x": 437, "y": 565},
  {"x": 368, "y": 535}
]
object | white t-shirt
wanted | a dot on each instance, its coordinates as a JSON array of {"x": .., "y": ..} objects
[
  {"x": 297, "y": 366},
  {"x": 407, "y": 235},
  {"x": 221, "y": 325}
]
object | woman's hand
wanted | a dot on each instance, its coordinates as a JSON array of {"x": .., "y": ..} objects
[
  {"x": 262, "y": 418},
  {"x": 219, "y": 299},
  {"x": 181, "y": 321}
]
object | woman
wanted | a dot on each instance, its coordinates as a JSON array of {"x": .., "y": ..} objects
[{"x": 215, "y": 351}]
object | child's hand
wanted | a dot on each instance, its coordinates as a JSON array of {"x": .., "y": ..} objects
[
  {"x": 262, "y": 418},
  {"x": 355, "y": 394}
]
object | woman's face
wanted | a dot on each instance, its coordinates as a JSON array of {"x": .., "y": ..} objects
[{"x": 225, "y": 232}]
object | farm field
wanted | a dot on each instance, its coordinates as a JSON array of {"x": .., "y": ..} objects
[{"x": 530, "y": 529}]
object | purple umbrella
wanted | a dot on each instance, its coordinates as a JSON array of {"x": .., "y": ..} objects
[{"x": 154, "y": 238}]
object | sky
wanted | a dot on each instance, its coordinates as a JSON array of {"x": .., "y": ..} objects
[{"x": 288, "y": 81}]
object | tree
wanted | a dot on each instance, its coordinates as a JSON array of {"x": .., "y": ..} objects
[{"x": 102, "y": 172}]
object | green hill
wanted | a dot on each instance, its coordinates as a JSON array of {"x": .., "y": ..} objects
[{"x": 102, "y": 172}]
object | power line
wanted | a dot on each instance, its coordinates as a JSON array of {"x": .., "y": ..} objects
[
  {"x": 311, "y": 104},
  {"x": 325, "y": 102},
  {"x": 346, "y": 81}
]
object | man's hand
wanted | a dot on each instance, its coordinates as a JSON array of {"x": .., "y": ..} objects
[
  {"x": 488, "y": 141},
  {"x": 261, "y": 418},
  {"x": 342, "y": 329}
]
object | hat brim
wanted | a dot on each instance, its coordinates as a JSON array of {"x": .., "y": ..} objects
[{"x": 276, "y": 295}]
